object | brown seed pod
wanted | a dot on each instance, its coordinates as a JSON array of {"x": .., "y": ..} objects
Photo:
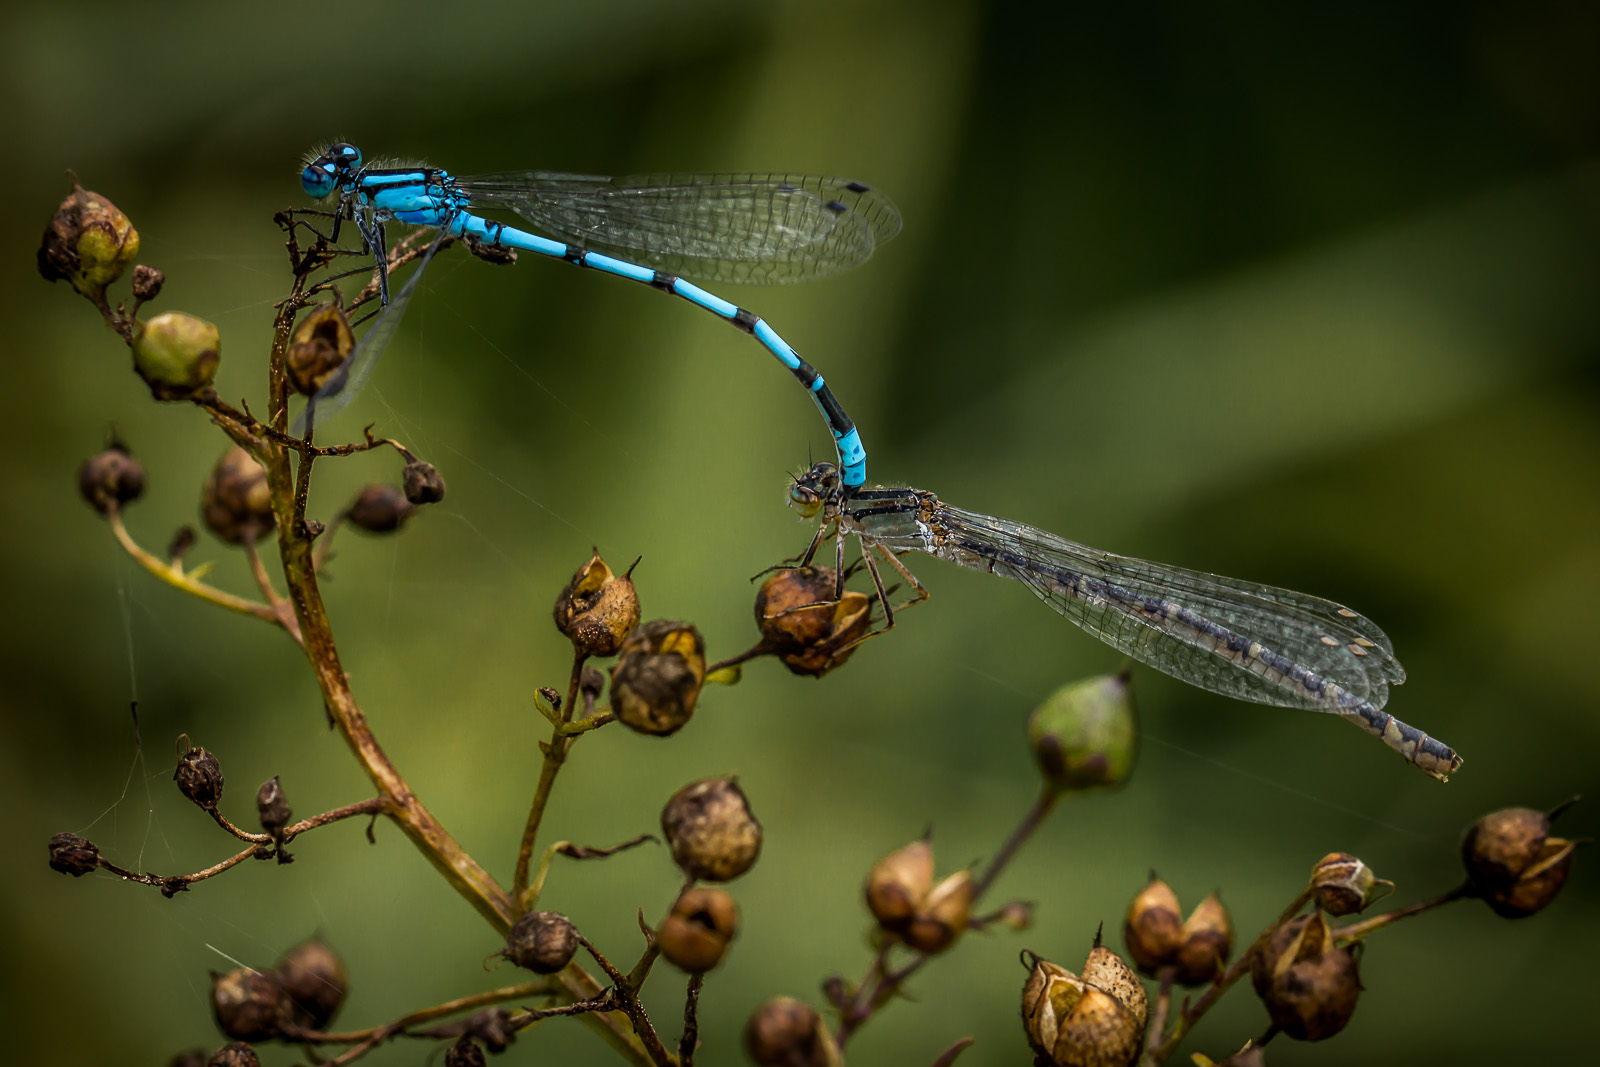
[
  {"x": 1308, "y": 984},
  {"x": 1514, "y": 864},
  {"x": 464, "y": 1053},
  {"x": 110, "y": 479},
  {"x": 1093, "y": 1020},
  {"x": 199, "y": 777},
  {"x": 1153, "y": 927},
  {"x": 74, "y": 855},
  {"x": 422, "y": 483},
  {"x": 656, "y": 682},
  {"x": 321, "y": 344},
  {"x": 1207, "y": 943},
  {"x": 234, "y": 1054},
  {"x": 898, "y": 883},
  {"x": 492, "y": 1027},
  {"x": 598, "y": 609},
  {"x": 542, "y": 941},
  {"x": 237, "y": 504},
  {"x": 784, "y": 1032},
  {"x": 379, "y": 508},
  {"x": 272, "y": 807},
  {"x": 1343, "y": 885},
  {"x": 809, "y": 630},
  {"x": 313, "y": 981},
  {"x": 941, "y": 917},
  {"x": 698, "y": 930},
  {"x": 711, "y": 831},
  {"x": 247, "y": 1004}
]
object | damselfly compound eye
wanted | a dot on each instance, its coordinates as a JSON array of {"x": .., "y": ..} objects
[
  {"x": 805, "y": 500},
  {"x": 317, "y": 180}
]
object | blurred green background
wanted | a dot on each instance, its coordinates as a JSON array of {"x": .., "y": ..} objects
[{"x": 1307, "y": 298}]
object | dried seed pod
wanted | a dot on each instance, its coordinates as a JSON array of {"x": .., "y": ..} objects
[
  {"x": 898, "y": 883},
  {"x": 807, "y": 627},
  {"x": 272, "y": 807},
  {"x": 74, "y": 855},
  {"x": 1207, "y": 943},
  {"x": 656, "y": 682},
  {"x": 492, "y": 1026},
  {"x": 237, "y": 504},
  {"x": 1093, "y": 1020},
  {"x": 321, "y": 344},
  {"x": 942, "y": 915},
  {"x": 379, "y": 508},
  {"x": 464, "y": 1053},
  {"x": 247, "y": 1004},
  {"x": 199, "y": 777},
  {"x": 1085, "y": 735},
  {"x": 1308, "y": 984},
  {"x": 147, "y": 283},
  {"x": 1514, "y": 864},
  {"x": 313, "y": 981},
  {"x": 598, "y": 609},
  {"x": 784, "y": 1032},
  {"x": 1344, "y": 885},
  {"x": 542, "y": 941},
  {"x": 422, "y": 483},
  {"x": 1153, "y": 927},
  {"x": 88, "y": 243},
  {"x": 110, "y": 479},
  {"x": 698, "y": 930},
  {"x": 176, "y": 354},
  {"x": 234, "y": 1054},
  {"x": 710, "y": 829}
]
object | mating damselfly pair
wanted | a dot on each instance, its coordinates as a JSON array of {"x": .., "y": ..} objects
[{"x": 1252, "y": 642}]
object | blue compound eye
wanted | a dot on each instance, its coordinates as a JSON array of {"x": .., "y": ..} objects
[{"x": 317, "y": 180}]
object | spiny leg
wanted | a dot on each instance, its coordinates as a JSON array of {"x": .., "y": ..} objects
[{"x": 893, "y": 559}]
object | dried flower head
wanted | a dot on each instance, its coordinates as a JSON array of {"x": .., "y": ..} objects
[
  {"x": 711, "y": 831},
  {"x": 784, "y": 1032},
  {"x": 247, "y": 1004},
  {"x": 1308, "y": 983},
  {"x": 598, "y": 609},
  {"x": 542, "y": 941},
  {"x": 1091, "y": 1020},
  {"x": 1343, "y": 885},
  {"x": 379, "y": 508},
  {"x": 699, "y": 929},
  {"x": 89, "y": 243},
  {"x": 656, "y": 682},
  {"x": 313, "y": 983},
  {"x": 237, "y": 504},
  {"x": 322, "y": 343},
  {"x": 110, "y": 479},
  {"x": 199, "y": 777},
  {"x": 802, "y": 621},
  {"x": 74, "y": 855}
]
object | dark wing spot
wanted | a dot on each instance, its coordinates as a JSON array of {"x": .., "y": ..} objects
[
  {"x": 836, "y": 207},
  {"x": 858, "y": 187}
]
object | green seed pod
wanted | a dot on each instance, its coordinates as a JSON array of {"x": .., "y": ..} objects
[
  {"x": 176, "y": 354},
  {"x": 1085, "y": 734}
]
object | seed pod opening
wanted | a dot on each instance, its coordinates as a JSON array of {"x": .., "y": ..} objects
[
  {"x": 598, "y": 609},
  {"x": 656, "y": 682},
  {"x": 321, "y": 344},
  {"x": 1308, "y": 984},
  {"x": 1093, "y": 1020},
  {"x": 809, "y": 630},
  {"x": 1343, "y": 885},
  {"x": 697, "y": 932}
]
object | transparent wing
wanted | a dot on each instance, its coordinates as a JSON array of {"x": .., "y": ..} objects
[
  {"x": 758, "y": 229},
  {"x": 344, "y": 384},
  {"x": 1194, "y": 626}
]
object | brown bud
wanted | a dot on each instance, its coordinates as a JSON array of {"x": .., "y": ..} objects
[
  {"x": 464, "y": 1053},
  {"x": 379, "y": 508},
  {"x": 195, "y": 1057},
  {"x": 1207, "y": 943},
  {"x": 656, "y": 682},
  {"x": 1016, "y": 915},
  {"x": 492, "y": 1026},
  {"x": 147, "y": 283},
  {"x": 234, "y": 1054},
  {"x": 321, "y": 344},
  {"x": 237, "y": 505},
  {"x": 89, "y": 243},
  {"x": 1092, "y": 1020},
  {"x": 1153, "y": 927},
  {"x": 272, "y": 807},
  {"x": 1344, "y": 885},
  {"x": 784, "y": 1032},
  {"x": 313, "y": 981},
  {"x": 1514, "y": 864},
  {"x": 698, "y": 930},
  {"x": 422, "y": 483},
  {"x": 1085, "y": 734},
  {"x": 542, "y": 941},
  {"x": 247, "y": 1004},
  {"x": 810, "y": 630},
  {"x": 176, "y": 354},
  {"x": 110, "y": 479},
  {"x": 199, "y": 777},
  {"x": 74, "y": 855},
  {"x": 1308, "y": 984},
  {"x": 898, "y": 883},
  {"x": 598, "y": 609},
  {"x": 711, "y": 831},
  {"x": 942, "y": 915}
]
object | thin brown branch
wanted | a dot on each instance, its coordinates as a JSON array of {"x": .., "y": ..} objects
[
  {"x": 628, "y": 1003},
  {"x": 1357, "y": 931}
]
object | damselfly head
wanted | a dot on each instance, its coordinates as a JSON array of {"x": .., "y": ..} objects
[
  {"x": 814, "y": 488},
  {"x": 329, "y": 169}
]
